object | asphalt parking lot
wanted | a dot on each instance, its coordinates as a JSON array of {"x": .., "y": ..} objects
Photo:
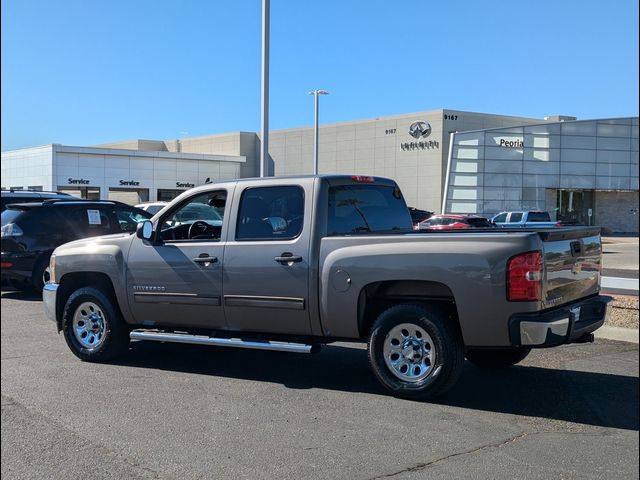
[{"x": 180, "y": 411}]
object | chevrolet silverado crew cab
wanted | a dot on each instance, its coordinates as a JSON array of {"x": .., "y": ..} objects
[{"x": 292, "y": 263}]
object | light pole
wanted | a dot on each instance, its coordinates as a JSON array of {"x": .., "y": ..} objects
[
  {"x": 264, "y": 127},
  {"x": 316, "y": 94}
]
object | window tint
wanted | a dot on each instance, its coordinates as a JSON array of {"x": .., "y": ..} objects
[
  {"x": 539, "y": 217},
  {"x": 478, "y": 222},
  {"x": 270, "y": 213},
  {"x": 88, "y": 221},
  {"x": 200, "y": 218},
  {"x": 515, "y": 217},
  {"x": 366, "y": 208},
  {"x": 500, "y": 218}
]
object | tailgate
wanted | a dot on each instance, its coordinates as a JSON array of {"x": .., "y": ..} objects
[{"x": 572, "y": 262}]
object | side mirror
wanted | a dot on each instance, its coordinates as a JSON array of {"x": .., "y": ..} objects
[{"x": 144, "y": 230}]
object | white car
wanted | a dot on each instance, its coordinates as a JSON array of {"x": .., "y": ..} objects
[{"x": 152, "y": 207}]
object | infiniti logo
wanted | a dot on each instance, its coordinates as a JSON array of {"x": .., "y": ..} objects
[{"x": 420, "y": 129}]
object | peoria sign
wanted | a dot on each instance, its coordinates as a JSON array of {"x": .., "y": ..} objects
[{"x": 517, "y": 143}]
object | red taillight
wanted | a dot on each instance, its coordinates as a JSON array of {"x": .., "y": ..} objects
[
  {"x": 558, "y": 225},
  {"x": 363, "y": 179},
  {"x": 524, "y": 277},
  {"x": 6, "y": 264}
]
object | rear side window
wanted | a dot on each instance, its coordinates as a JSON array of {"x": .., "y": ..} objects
[
  {"x": 89, "y": 221},
  {"x": 271, "y": 213},
  {"x": 357, "y": 209},
  {"x": 516, "y": 217},
  {"x": 539, "y": 217}
]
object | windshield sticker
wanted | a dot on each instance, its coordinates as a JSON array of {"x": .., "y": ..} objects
[{"x": 94, "y": 217}]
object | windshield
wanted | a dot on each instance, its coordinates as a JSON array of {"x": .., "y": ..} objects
[{"x": 153, "y": 209}]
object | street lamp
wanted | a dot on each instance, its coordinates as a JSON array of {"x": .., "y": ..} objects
[
  {"x": 264, "y": 91},
  {"x": 316, "y": 94}
]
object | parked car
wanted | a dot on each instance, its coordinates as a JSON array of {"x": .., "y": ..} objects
[
  {"x": 152, "y": 207},
  {"x": 532, "y": 218},
  {"x": 31, "y": 231},
  {"x": 23, "y": 196},
  {"x": 446, "y": 222},
  {"x": 418, "y": 216},
  {"x": 349, "y": 268}
]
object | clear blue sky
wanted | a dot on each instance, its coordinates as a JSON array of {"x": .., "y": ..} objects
[{"x": 82, "y": 72}]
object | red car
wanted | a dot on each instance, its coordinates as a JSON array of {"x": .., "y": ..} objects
[{"x": 447, "y": 222}]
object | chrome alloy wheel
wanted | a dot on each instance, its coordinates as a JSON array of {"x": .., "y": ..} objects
[
  {"x": 89, "y": 325},
  {"x": 409, "y": 352}
]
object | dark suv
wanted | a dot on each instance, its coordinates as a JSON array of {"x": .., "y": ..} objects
[
  {"x": 31, "y": 231},
  {"x": 23, "y": 196}
]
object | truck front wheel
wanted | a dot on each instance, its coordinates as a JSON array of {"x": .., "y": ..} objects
[
  {"x": 93, "y": 326},
  {"x": 415, "y": 351},
  {"x": 497, "y": 358}
]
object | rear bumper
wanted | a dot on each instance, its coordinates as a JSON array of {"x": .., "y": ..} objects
[
  {"x": 566, "y": 324},
  {"x": 49, "y": 298}
]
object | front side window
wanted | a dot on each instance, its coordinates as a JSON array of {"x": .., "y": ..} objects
[
  {"x": 357, "y": 209},
  {"x": 500, "y": 218},
  {"x": 271, "y": 213},
  {"x": 200, "y": 218}
]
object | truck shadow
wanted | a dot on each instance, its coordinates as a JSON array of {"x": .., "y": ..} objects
[
  {"x": 598, "y": 399},
  {"x": 25, "y": 295}
]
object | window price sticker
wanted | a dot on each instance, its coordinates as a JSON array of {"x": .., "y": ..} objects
[{"x": 94, "y": 217}]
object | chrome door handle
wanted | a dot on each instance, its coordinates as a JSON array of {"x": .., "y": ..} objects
[
  {"x": 288, "y": 257},
  {"x": 204, "y": 258}
]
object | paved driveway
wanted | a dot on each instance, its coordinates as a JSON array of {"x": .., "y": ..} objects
[{"x": 179, "y": 411}]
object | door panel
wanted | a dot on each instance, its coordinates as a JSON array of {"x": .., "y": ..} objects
[
  {"x": 176, "y": 280},
  {"x": 266, "y": 281},
  {"x": 166, "y": 286}
]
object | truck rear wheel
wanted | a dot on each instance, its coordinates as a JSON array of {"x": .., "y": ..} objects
[
  {"x": 415, "y": 351},
  {"x": 93, "y": 326},
  {"x": 497, "y": 358}
]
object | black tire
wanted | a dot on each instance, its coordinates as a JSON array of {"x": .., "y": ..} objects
[
  {"x": 37, "y": 276},
  {"x": 447, "y": 344},
  {"x": 492, "y": 359},
  {"x": 114, "y": 338}
]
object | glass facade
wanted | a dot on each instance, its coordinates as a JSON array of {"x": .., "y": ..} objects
[{"x": 526, "y": 167}]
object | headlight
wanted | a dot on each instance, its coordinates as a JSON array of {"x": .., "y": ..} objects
[{"x": 52, "y": 268}]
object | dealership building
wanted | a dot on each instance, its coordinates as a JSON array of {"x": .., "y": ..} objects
[{"x": 444, "y": 160}]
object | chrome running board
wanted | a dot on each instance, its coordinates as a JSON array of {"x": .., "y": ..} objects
[{"x": 222, "y": 342}]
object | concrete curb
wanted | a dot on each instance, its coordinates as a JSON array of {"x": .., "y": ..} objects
[{"x": 620, "y": 334}]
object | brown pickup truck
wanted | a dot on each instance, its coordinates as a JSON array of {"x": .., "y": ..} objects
[{"x": 292, "y": 263}]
